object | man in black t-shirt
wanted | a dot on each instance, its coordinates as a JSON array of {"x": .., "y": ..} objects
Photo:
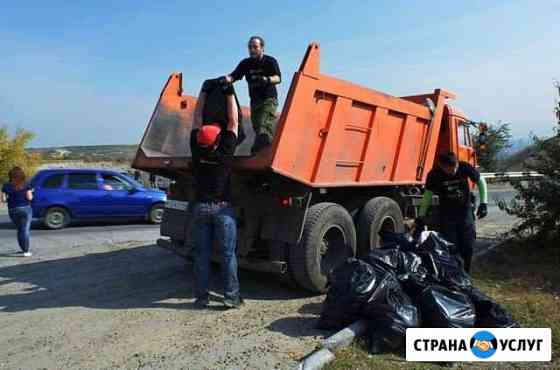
[
  {"x": 450, "y": 181},
  {"x": 262, "y": 74},
  {"x": 212, "y": 150}
]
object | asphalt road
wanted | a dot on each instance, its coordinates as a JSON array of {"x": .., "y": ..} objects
[
  {"x": 77, "y": 235},
  {"x": 497, "y": 222}
]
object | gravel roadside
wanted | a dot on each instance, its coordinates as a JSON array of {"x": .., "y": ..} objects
[{"x": 130, "y": 306}]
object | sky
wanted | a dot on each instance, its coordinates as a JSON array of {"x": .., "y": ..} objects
[{"x": 90, "y": 72}]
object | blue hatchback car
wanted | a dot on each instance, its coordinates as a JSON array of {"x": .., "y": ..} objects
[{"x": 65, "y": 195}]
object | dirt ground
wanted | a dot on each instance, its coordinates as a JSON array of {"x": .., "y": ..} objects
[{"x": 130, "y": 306}]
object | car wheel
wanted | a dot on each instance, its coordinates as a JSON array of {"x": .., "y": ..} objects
[
  {"x": 56, "y": 218},
  {"x": 156, "y": 214}
]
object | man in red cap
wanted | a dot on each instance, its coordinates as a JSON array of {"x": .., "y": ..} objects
[{"x": 213, "y": 217}]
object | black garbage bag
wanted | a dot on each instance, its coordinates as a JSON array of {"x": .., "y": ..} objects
[
  {"x": 490, "y": 314},
  {"x": 435, "y": 242},
  {"x": 390, "y": 312},
  {"x": 350, "y": 286},
  {"x": 442, "y": 264},
  {"x": 407, "y": 267},
  {"x": 388, "y": 259},
  {"x": 401, "y": 241},
  {"x": 414, "y": 283},
  {"x": 444, "y": 308},
  {"x": 395, "y": 260},
  {"x": 215, "y": 108},
  {"x": 456, "y": 279},
  {"x": 409, "y": 263}
]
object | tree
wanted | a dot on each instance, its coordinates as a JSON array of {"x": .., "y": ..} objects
[
  {"x": 497, "y": 139},
  {"x": 537, "y": 202},
  {"x": 12, "y": 153}
]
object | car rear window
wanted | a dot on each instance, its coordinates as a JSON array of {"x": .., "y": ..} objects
[
  {"x": 53, "y": 181},
  {"x": 82, "y": 181}
]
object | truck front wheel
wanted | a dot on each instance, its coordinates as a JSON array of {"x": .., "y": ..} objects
[
  {"x": 328, "y": 238},
  {"x": 380, "y": 213}
]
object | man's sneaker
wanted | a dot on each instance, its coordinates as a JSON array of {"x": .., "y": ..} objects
[
  {"x": 233, "y": 303},
  {"x": 201, "y": 303},
  {"x": 27, "y": 254}
]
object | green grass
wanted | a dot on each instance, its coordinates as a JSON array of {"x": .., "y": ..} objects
[{"x": 522, "y": 276}]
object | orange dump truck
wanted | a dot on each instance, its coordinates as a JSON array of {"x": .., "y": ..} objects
[{"x": 345, "y": 163}]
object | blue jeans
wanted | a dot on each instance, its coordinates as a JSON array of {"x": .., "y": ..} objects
[
  {"x": 21, "y": 217},
  {"x": 214, "y": 223}
]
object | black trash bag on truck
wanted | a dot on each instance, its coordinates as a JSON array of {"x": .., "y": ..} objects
[
  {"x": 350, "y": 287},
  {"x": 444, "y": 308},
  {"x": 390, "y": 313},
  {"x": 215, "y": 108},
  {"x": 490, "y": 314}
]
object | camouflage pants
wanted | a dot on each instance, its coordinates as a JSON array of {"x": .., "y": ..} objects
[{"x": 263, "y": 117}]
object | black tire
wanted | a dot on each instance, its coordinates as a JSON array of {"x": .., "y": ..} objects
[
  {"x": 56, "y": 218},
  {"x": 155, "y": 216},
  {"x": 313, "y": 258},
  {"x": 377, "y": 213}
]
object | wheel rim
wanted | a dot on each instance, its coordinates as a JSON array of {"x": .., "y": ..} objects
[
  {"x": 56, "y": 219},
  {"x": 157, "y": 214},
  {"x": 389, "y": 224},
  {"x": 332, "y": 249}
]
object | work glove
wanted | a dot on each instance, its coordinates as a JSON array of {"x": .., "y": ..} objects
[{"x": 482, "y": 210}]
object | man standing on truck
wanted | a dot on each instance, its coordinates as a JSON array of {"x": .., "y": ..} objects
[
  {"x": 449, "y": 180},
  {"x": 213, "y": 216},
  {"x": 262, "y": 74}
]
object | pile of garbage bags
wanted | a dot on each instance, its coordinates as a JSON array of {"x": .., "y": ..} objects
[{"x": 408, "y": 284}]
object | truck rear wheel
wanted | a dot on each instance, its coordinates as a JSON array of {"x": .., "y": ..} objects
[
  {"x": 329, "y": 237},
  {"x": 380, "y": 213}
]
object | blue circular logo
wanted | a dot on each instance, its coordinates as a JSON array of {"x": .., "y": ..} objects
[{"x": 484, "y": 344}]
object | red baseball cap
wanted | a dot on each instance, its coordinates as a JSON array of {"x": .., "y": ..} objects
[{"x": 208, "y": 134}]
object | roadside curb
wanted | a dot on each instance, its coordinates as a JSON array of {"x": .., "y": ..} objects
[{"x": 323, "y": 355}]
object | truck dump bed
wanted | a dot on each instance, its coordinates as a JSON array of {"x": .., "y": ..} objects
[{"x": 330, "y": 133}]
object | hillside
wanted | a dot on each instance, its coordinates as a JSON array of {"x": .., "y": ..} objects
[{"x": 116, "y": 153}]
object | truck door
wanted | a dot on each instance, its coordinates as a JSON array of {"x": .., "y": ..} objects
[{"x": 465, "y": 143}]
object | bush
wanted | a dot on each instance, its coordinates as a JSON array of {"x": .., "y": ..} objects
[
  {"x": 498, "y": 139},
  {"x": 537, "y": 203},
  {"x": 12, "y": 153}
]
